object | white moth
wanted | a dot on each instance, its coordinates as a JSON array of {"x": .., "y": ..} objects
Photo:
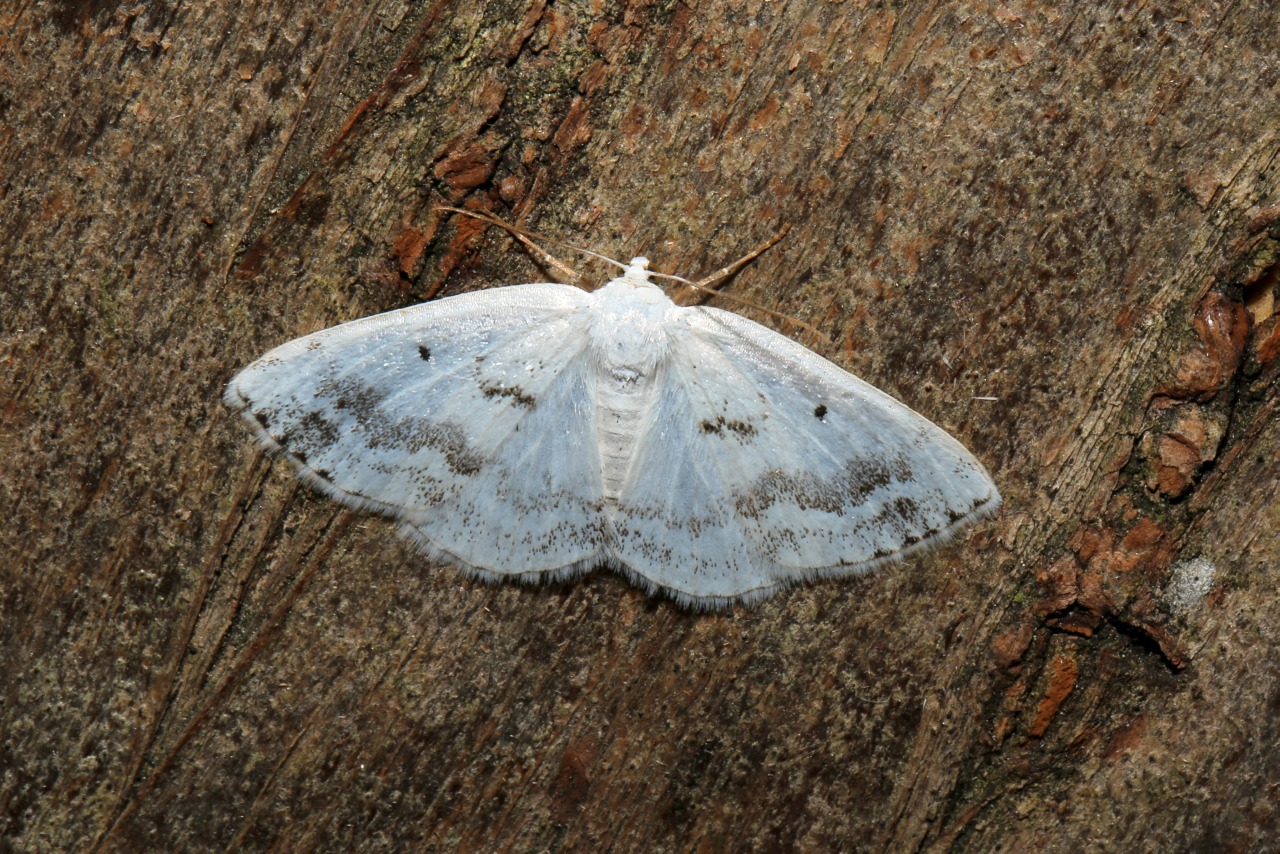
[{"x": 537, "y": 431}]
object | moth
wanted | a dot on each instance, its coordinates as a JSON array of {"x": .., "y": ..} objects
[{"x": 537, "y": 431}]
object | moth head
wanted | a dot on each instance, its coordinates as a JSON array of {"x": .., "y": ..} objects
[{"x": 637, "y": 269}]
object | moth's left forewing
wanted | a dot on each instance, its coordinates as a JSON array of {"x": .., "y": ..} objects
[
  {"x": 403, "y": 412},
  {"x": 854, "y": 478}
]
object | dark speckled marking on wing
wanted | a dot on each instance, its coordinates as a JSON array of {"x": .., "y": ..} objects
[
  {"x": 721, "y": 426},
  {"x": 514, "y": 393},
  {"x": 411, "y": 434},
  {"x": 843, "y": 493}
]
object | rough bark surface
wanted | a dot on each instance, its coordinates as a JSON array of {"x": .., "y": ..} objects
[{"x": 1053, "y": 231}]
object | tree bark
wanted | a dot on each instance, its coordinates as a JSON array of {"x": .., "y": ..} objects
[{"x": 1052, "y": 232}]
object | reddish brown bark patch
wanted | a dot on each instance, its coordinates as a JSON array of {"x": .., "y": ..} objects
[{"x": 1063, "y": 672}]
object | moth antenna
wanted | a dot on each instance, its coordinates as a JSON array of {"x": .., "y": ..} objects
[
  {"x": 527, "y": 237},
  {"x": 729, "y": 269},
  {"x": 704, "y": 285}
]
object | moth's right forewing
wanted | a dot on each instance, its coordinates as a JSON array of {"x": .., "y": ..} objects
[{"x": 859, "y": 478}]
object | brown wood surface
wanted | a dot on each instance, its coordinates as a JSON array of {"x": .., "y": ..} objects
[{"x": 1073, "y": 209}]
